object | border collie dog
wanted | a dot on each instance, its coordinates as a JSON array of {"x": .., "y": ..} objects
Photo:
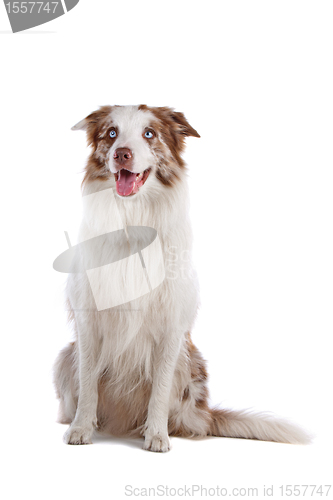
[{"x": 133, "y": 369}]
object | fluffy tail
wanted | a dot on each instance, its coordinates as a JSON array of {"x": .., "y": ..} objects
[{"x": 250, "y": 425}]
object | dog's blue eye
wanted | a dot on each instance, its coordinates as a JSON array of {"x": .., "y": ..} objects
[
  {"x": 113, "y": 134},
  {"x": 149, "y": 134}
]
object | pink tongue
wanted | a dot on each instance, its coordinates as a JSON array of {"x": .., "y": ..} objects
[{"x": 126, "y": 182}]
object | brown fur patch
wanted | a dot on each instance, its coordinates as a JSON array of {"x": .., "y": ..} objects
[
  {"x": 186, "y": 393},
  {"x": 198, "y": 365},
  {"x": 172, "y": 127},
  {"x": 97, "y": 127}
]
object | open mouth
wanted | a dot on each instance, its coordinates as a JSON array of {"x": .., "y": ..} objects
[{"x": 129, "y": 183}]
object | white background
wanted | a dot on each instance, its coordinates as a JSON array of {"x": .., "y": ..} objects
[{"x": 255, "y": 79}]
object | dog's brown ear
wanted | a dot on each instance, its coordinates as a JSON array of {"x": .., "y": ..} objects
[
  {"x": 93, "y": 118},
  {"x": 183, "y": 125}
]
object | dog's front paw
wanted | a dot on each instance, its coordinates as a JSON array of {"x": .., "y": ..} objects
[
  {"x": 78, "y": 435},
  {"x": 157, "y": 442}
]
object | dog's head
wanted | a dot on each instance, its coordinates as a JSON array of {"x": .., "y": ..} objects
[{"x": 138, "y": 145}]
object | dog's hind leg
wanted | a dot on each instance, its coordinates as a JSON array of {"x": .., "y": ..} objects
[
  {"x": 189, "y": 411},
  {"x": 66, "y": 383}
]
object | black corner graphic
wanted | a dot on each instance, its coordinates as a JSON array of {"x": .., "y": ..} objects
[{"x": 28, "y": 14}]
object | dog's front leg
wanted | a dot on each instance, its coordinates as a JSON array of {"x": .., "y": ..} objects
[
  {"x": 82, "y": 427},
  {"x": 156, "y": 427}
]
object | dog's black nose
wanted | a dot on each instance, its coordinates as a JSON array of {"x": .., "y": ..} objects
[{"x": 123, "y": 156}]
